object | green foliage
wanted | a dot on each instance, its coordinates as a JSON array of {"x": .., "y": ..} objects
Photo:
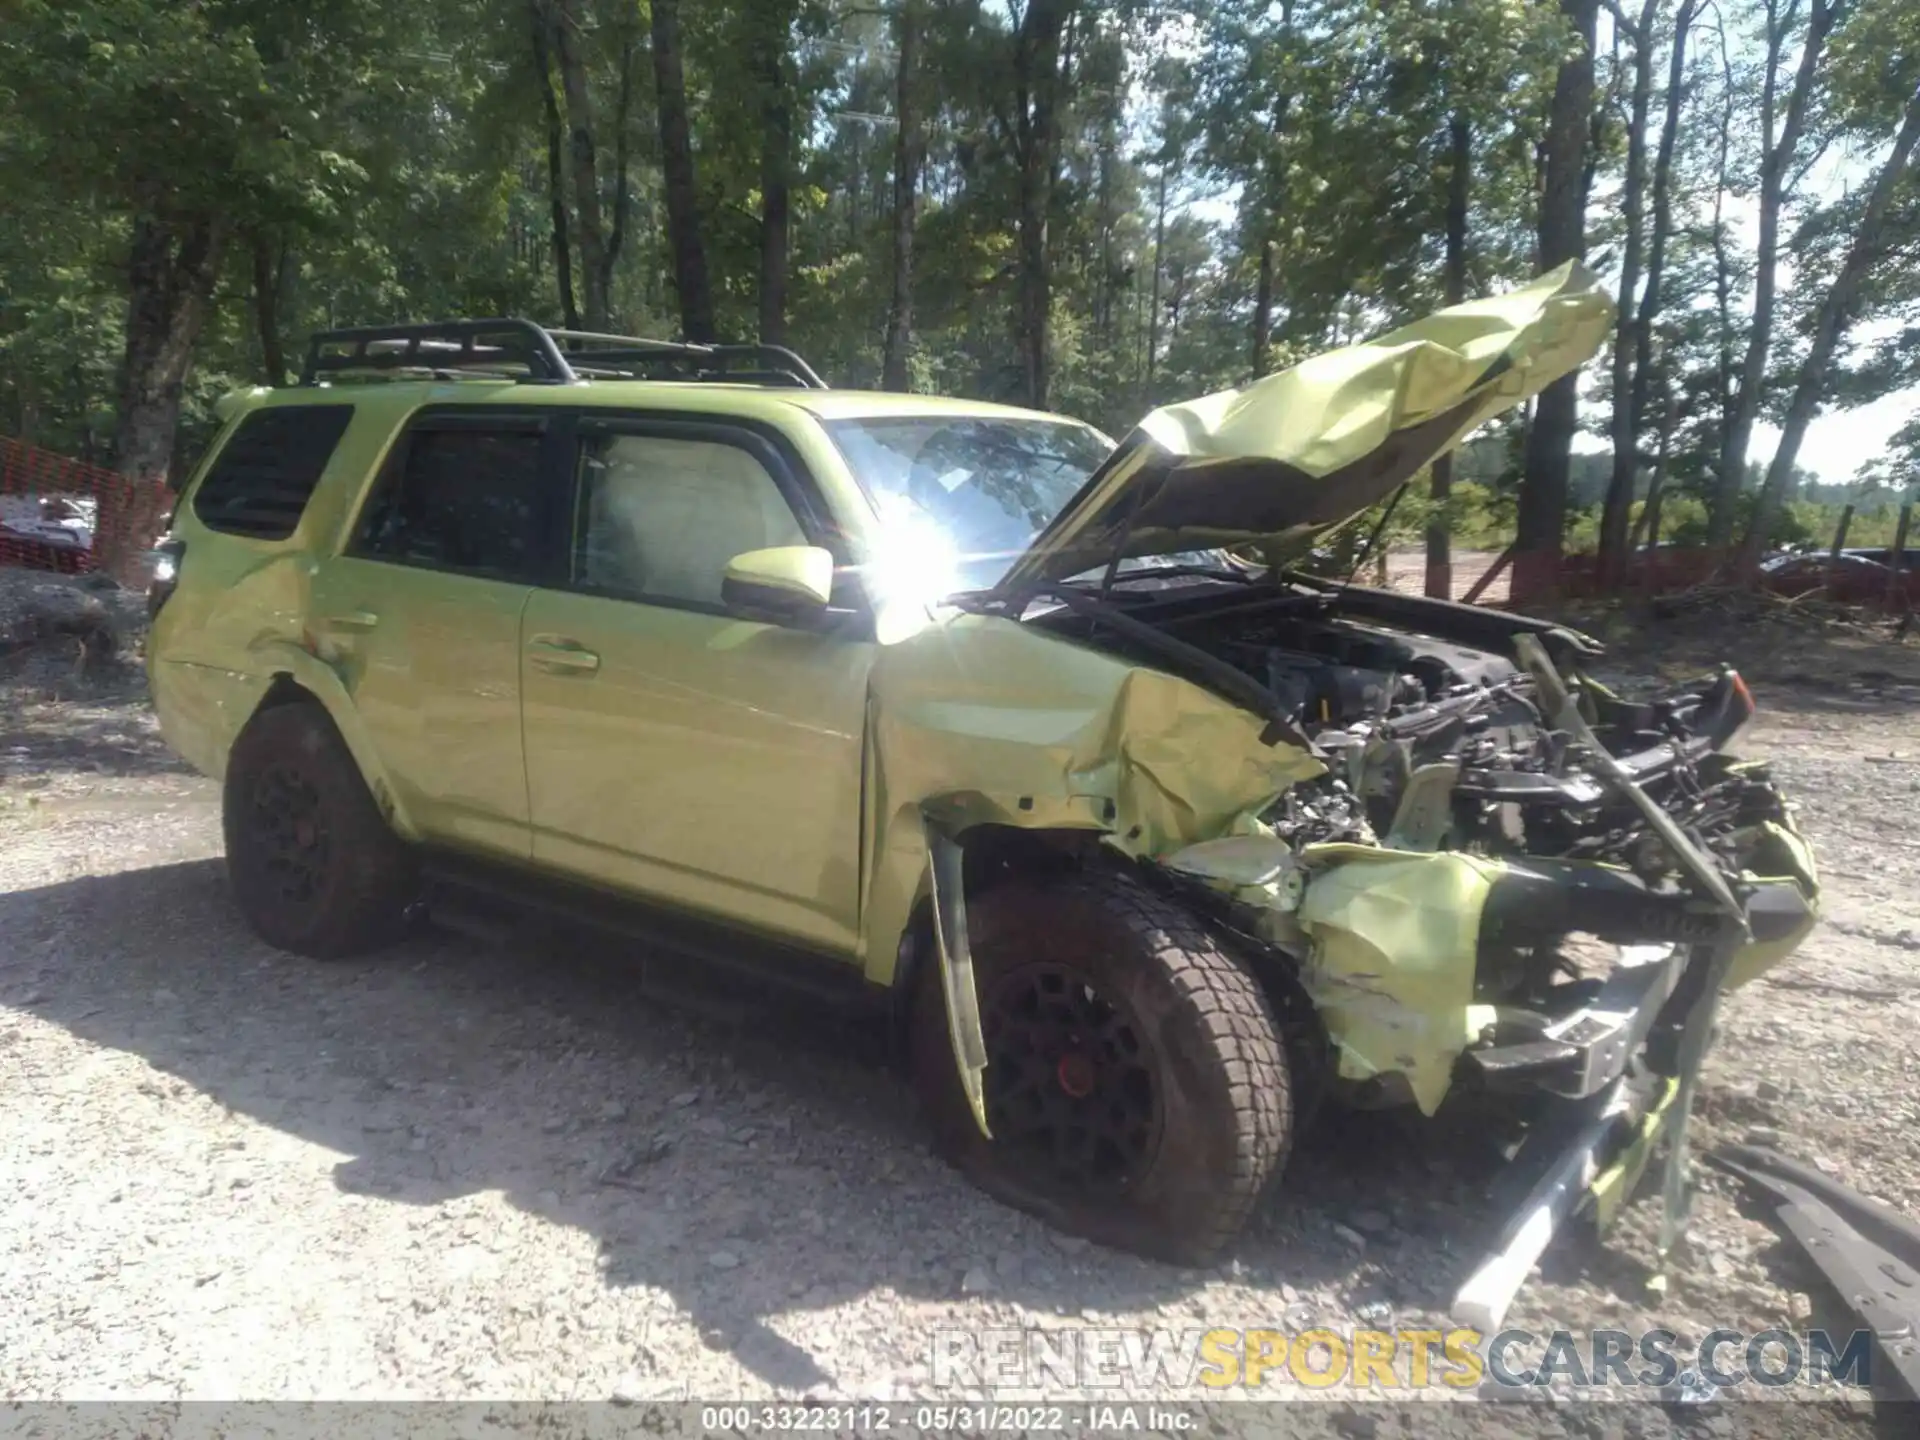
[{"x": 368, "y": 161}]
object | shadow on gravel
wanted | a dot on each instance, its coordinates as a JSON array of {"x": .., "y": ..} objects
[
  {"x": 114, "y": 743},
  {"x": 750, "y": 1169},
  {"x": 1865, "y": 693},
  {"x": 102, "y": 724}
]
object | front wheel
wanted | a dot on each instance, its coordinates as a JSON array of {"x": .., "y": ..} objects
[{"x": 1136, "y": 1085}]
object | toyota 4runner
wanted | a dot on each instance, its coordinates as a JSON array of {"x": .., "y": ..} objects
[{"x": 1140, "y": 840}]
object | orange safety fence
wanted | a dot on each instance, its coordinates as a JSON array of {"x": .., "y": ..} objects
[
  {"x": 1518, "y": 582},
  {"x": 64, "y": 515}
]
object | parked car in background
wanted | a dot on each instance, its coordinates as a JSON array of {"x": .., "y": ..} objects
[
  {"x": 47, "y": 532},
  {"x": 1854, "y": 576}
]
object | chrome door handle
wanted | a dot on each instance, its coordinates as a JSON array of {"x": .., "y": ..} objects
[
  {"x": 553, "y": 652},
  {"x": 352, "y": 620}
]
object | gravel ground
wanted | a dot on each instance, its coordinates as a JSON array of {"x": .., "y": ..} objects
[{"x": 457, "y": 1171}]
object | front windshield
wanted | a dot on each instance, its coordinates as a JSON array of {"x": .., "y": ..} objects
[{"x": 962, "y": 496}]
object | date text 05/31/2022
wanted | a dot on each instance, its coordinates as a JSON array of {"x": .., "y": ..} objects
[{"x": 869, "y": 1419}]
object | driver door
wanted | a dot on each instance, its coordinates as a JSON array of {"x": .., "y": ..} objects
[{"x": 675, "y": 750}]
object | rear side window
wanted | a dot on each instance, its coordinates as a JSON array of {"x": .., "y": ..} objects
[
  {"x": 464, "y": 499},
  {"x": 261, "y": 480}
]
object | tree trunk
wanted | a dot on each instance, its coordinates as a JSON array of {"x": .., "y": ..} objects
[
  {"x": 269, "y": 280},
  {"x": 1651, "y": 299},
  {"x": 1153, "y": 302},
  {"x": 586, "y": 165},
  {"x": 776, "y": 160},
  {"x": 1103, "y": 210},
  {"x": 1542, "y": 517},
  {"x": 622, "y": 147},
  {"x": 906, "y": 193},
  {"x": 171, "y": 269},
  {"x": 82, "y": 393},
  {"x": 1263, "y": 309},
  {"x": 171, "y": 272},
  {"x": 1271, "y": 203},
  {"x": 1837, "y": 310},
  {"x": 1722, "y": 261},
  {"x": 1440, "y": 478},
  {"x": 556, "y": 165},
  {"x": 27, "y": 392},
  {"x": 1775, "y": 162},
  {"x": 1617, "y": 512},
  {"x": 1649, "y": 523},
  {"x": 676, "y": 161},
  {"x": 1036, "y": 74}
]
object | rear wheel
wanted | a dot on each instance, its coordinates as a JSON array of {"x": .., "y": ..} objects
[
  {"x": 1136, "y": 1086},
  {"x": 314, "y": 865}
]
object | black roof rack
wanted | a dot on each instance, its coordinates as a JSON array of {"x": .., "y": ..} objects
[{"x": 532, "y": 354}]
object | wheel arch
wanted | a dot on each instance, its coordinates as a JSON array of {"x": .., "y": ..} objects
[
  {"x": 299, "y": 678},
  {"x": 992, "y": 853},
  {"x": 995, "y": 853},
  {"x": 1199, "y": 989}
]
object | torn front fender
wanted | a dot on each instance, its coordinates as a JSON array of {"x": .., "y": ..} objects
[
  {"x": 1782, "y": 862},
  {"x": 1393, "y": 945},
  {"x": 1389, "y": 941},
  {"x": 947, "y": 876},
  {"x": 1049, "y": 736}
]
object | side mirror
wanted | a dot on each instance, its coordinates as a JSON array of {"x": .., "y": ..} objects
[{"x": 787, "y": 585}]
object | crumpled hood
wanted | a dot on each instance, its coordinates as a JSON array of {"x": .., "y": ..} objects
[{"x": 1278, "y": 464}]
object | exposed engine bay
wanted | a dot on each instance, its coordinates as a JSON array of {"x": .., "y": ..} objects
[
  {"x": 1436, "y": 738},
  {"x": 1384, "y": 701},
  {"x": 1387, "y": 704}
]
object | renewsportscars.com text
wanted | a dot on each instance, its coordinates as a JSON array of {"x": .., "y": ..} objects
[{"x": 1224, "y": 1360}]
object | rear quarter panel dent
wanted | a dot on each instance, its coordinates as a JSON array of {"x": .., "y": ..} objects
[{"x": 202, "y": 709}]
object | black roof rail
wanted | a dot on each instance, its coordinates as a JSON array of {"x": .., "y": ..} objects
[
  {"x": 499, "y": 347},
  {"x": 521, "y": 350},
  {"x": 632, "y": 357}
]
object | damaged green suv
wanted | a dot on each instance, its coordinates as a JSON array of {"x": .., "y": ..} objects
[{"x": 1035, "y": 747}]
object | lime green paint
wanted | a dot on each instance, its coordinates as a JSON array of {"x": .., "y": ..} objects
[
  {"x": 1781, "y": 854},
  {"x": 774, "y": 776},
  {"x": 979, "y": 720},
  {"x": 1331, "y": 416},
  {"x": 1614, "y": 1186},
  {"x": 786, "y": 778},
  {"x": 432, "y": 663},
  {"x": 946, "y": 878},
  {"x": 1393, "y": 938},
  {"x": 801, "y": 571},
  {"x": 709, "y": 762}
]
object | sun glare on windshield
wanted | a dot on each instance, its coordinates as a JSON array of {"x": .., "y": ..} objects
[{"x": 959, "y": 498}]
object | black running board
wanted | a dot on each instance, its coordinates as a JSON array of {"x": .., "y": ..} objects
[{"x": 485, "y": 899}]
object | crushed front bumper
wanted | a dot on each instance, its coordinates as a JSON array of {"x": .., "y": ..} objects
[
  {"x": 1396, "y": 950},
  {"x": 1664, "y": 947}
]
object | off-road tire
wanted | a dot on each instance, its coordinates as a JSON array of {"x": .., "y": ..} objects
[
  {"x": 352, "y": 896},
  {"x": 1220, "y": 1067}
]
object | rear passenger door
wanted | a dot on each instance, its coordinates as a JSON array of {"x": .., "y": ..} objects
[
  {"x": 674, "y": 749},
  {"x": 421, "y": 616}
]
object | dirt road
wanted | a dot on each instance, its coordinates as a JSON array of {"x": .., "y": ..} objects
[{"x": 458, "y": 1171}]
